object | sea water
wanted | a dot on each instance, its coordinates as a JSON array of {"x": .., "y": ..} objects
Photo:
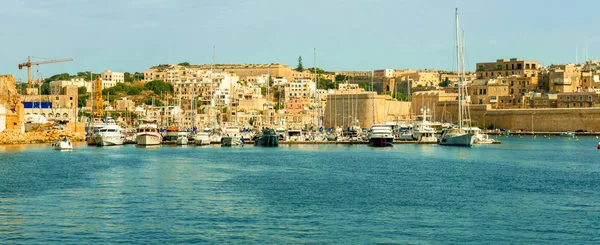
[{"x": 526, "y": 190}]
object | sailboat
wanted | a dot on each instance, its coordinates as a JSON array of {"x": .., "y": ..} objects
[{"x": 459, "y": 136}]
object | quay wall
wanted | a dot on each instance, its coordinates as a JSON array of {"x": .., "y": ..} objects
[
  {"x": 542, "y": 120},
  {"x": 366, "y": 108}
]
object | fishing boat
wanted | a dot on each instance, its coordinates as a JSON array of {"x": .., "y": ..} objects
[
  {"x": 458, "y": 136},
  {"x": 148, "y": 134},
  {"x": 63, "y": 144},
  {"x": 381, "y": 135},
  {"x": 567, "y": 134},
  {"x": 109, "y": 135},
  {"x": 268, "y": 138}
]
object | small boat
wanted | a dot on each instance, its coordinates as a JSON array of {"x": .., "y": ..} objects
[
  {"x": 63, "y": 144},
  {"x": 567, "y": 134},
  {"x": 295, "y": 135},
  {"x": 268, "y": 138},
  {"x": 457, "y": 137},
  {"x": 381, "y": 135},
  {"x": 182, "y": 138}
]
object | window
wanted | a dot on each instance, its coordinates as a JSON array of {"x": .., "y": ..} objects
[
  {"x": 499, "y": 67},
  {"x": 532, "y": 66},
  {"x": 526, "y": 66},
  {"x": 545, "y": 102}
]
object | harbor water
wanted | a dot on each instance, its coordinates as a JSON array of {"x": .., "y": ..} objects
[{"x": 526, "y": 190}]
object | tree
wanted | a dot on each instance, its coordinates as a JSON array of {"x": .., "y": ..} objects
[
  {"x": 82, "y": 90},
  {"x": 159, "y": 86},
  {"x": 340, "y": 78},
  {"x": 300, "y": 67},
  {"x": 184, "y": 63},
  {"x": 445, "y": 83}
]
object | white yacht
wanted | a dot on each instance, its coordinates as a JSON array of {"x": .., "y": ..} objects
[
  {"x": 459, "y": 136},
  {"x": 231, "y": 136},
  {"x": 480, "y": 138},
  {"x": 295, "y": 135},
  {"x": 109, "y": 135},
  {"x": 422, "y": 131},
  {"x": 94, "y": 126},
  {"x": 148, "y": 134},
  {"x": 182, "y": 138},
  {"x": 381, "y": 135}
]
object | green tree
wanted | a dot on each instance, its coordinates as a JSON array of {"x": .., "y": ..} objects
[
  {"x": 340, "y": 78},
  {"x": 300, "y": 67},
  {"x": 278, "y": 106},
  {"x": 159, "y": 86},
  {"x": 184, "y": 63},
  {"x": 445, "y": 83},
  {"x": 82, "y": 90}
]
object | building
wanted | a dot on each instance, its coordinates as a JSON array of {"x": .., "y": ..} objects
[
  {"x": 117, "y": 77},
  {"x": 488, "y": 91},
  {"x": 564, "y": 78},
  {"x": 57, "y": 86},
  {"x": 61, "y": 107},
  {"x": 578, "y": 100},
  {"x": 301, "y": 88},
  {"x": 505, "y": 68},
  {"x": 384, "y": 73}
]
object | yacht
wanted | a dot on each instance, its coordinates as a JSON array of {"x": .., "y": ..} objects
[
  {"x": 480, "y": 138},
  {"x": 268, "y": 137},
  {"x": 281, "y": 134},
  {"x": 203, "y": 138},
  {"x": 182, "y": 138},
  {"x": 171, "y": 134},
  {"x": 295, "y": 135},
  {"x": 109, "y": 135},
  {"x": 381, "y": 135},
  {"x": 231, "y": 136},
  {"x": 422, "y": 131},
  {"x": 148, "y": 134},
  {"x": 94, "y": 126},
  {"x": 459, "y": 136}
]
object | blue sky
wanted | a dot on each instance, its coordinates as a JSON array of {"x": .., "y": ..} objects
[{"x": 131, "y": 35}]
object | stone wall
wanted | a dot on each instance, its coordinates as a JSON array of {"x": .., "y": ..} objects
[
  {"x": 344, "y": 109},
  {"x": 10, "y": 98}
]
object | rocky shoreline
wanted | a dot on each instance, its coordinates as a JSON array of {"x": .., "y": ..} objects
[{"x": 49, "y": 136}]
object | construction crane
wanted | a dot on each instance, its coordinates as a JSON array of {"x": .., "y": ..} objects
[
  {"x": 98, "y": 101},
  {"x": 28, "y": 64}
]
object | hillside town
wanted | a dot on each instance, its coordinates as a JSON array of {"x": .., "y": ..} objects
[{"x": 514, "y": 94}]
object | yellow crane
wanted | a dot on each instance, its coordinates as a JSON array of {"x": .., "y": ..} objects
[
  {"x": 98, "y": 101},
  {"x": 28, "y": 64}
]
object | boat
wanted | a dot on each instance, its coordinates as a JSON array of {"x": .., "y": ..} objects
[
  {"x": 182, "y": 138},
  {"x": 567, "y": 134},
  {"x": 295, "y": 135},
  {"x": 203, "y": 138},
  {"x": 94, "y": 126},
  {"x": 148, "y": 134},
  {"x": 423, "y": 132},
  {"x": 458, "y": 136},
  {"x": 268, "y": 138},
  {"x": 281, "y": 133},
  {"x": 381, "y": 135},
  {"x": 109, "y": 135},
  {"x": 481, "y": 138},
  {"x": 63, "y": 144},
  {"x": 171, "y": 134},
  {"x": 231, "y": 136}
]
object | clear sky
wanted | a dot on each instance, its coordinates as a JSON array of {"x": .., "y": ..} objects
[{"x": 132, "y": 35}]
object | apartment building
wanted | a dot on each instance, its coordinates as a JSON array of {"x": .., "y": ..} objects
[
  {"x": 578, "y": 100},
  {"x": 117, "y": 77}
]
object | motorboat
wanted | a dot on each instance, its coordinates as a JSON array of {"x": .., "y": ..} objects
[
  {"x": 381, "y": 135},
  {"x": 171, "y": 134},
  {"x": 63, "y": 144},
  {"x": 567, "y": 134},
  {"x": 109, "y": 135},
  {"x": 422, "y": 131},
  {"x": 281, "y": 134},
  {"x": 231, "y": 136},
  {"x": 295, "y": 135},
  {"x": 268, "y": 138},
  {"x": 480, "y": 138},
  {"x": 148, "y": 134},
  {"x": 94, "y": 126},
  {"x": 182, "y": 138},
  {"x": 203, "y": 138}
]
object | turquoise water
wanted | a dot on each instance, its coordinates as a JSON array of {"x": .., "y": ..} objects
[{"x": 523, "y": 191}]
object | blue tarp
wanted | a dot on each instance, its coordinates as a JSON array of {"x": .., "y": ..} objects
[{"x": 37, "y": 104}]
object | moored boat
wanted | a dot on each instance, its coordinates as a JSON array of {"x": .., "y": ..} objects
[
  {"x": 268, "y": 138},
  {"x": 148, "y": 134},
  {"x": 381, "y": 135},
  {"x": 63, "y": 144},
  {"x": 109, "y": 135}
]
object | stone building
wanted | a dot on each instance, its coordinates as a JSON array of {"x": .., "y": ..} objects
[
  {"x": 578, "y": 100},
  {"x": 62, "y": 107},
  {"x": 505, "y": 68},
  {"x": 12, "y": 113},
  {"x": 363, "y": 109}
]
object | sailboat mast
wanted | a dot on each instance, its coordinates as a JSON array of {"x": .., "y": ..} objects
[
  {"x": 458, "y": 70},
  {"x": 373, "y": 99}
]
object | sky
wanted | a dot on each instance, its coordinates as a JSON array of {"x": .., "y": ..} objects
[{"x": 132, "y": 35}]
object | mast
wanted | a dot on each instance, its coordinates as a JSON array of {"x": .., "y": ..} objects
[
  {"x": 373, "y": 99},
  {"x": 458, "y": 70},
  {"x": 212, "y": 90}
]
